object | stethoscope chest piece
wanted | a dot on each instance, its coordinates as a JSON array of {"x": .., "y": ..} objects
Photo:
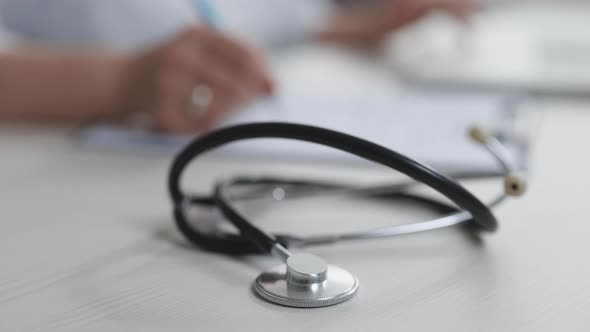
[{"x": 306, "y": 281}]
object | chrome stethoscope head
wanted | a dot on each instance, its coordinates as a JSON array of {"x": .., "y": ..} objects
[{"x": 304, "y": 280}]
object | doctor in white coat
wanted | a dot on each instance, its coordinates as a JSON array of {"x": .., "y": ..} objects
[
  {"x": 141, "y": 23},
  {"x": 153, "y": 56}
]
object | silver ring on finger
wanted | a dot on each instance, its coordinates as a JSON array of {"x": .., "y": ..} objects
[{"x": 201, "y": 99}]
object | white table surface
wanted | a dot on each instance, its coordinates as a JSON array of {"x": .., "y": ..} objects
[{"x": 88, "y": 244}]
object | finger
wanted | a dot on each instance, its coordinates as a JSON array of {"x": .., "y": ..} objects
[
  {"x": 208, "y": 68},
  {"x": 237, "y": 84},
  {"x": 190, "y": 60},
  {"x": 170, "y": 105},
  {"x": 250, "y": 71},
  {"x": 182, "y": 87},
  {"x": 178, "y": 113},
  {"x": 241, "y": 59}
]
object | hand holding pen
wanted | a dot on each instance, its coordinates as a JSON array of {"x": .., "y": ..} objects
[
  {"x": 200, "y": 63},
  {"x": 193, "y": 81}
]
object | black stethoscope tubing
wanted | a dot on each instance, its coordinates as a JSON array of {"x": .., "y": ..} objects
[{"x": 253, "y": 240}]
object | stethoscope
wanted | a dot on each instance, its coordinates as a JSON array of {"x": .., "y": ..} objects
[{"x": 306, "y": 280}]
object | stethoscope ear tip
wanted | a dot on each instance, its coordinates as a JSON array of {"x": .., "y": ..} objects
[
  {"x": 479, "y": 135},
  {"x": 514, "y": 185}
]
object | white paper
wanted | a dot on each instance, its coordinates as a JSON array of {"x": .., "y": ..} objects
[{"x": 428, "y": 126}]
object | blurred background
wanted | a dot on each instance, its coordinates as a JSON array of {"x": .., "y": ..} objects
[{"x": 96, "y": 97}]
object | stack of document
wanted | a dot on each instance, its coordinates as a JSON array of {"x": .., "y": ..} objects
[{"x": 428, "y": 126}]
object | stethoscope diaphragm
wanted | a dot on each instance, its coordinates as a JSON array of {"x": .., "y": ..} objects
[{"x": 306, "y": 281}]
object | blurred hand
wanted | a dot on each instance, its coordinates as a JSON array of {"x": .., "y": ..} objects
[
  {"x": 164, "y": 80},
  {"x": 368, "y": 26}
]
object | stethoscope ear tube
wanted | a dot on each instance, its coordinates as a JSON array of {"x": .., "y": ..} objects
[{"x": 252, "y": 239}]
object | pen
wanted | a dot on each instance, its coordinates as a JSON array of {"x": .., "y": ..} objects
[{"x": 208, "y": 13}]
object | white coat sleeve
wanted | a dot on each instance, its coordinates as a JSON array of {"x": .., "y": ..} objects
[
  {"x": 114, "y": 23},
  {"x": 141, "y": 23}
]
